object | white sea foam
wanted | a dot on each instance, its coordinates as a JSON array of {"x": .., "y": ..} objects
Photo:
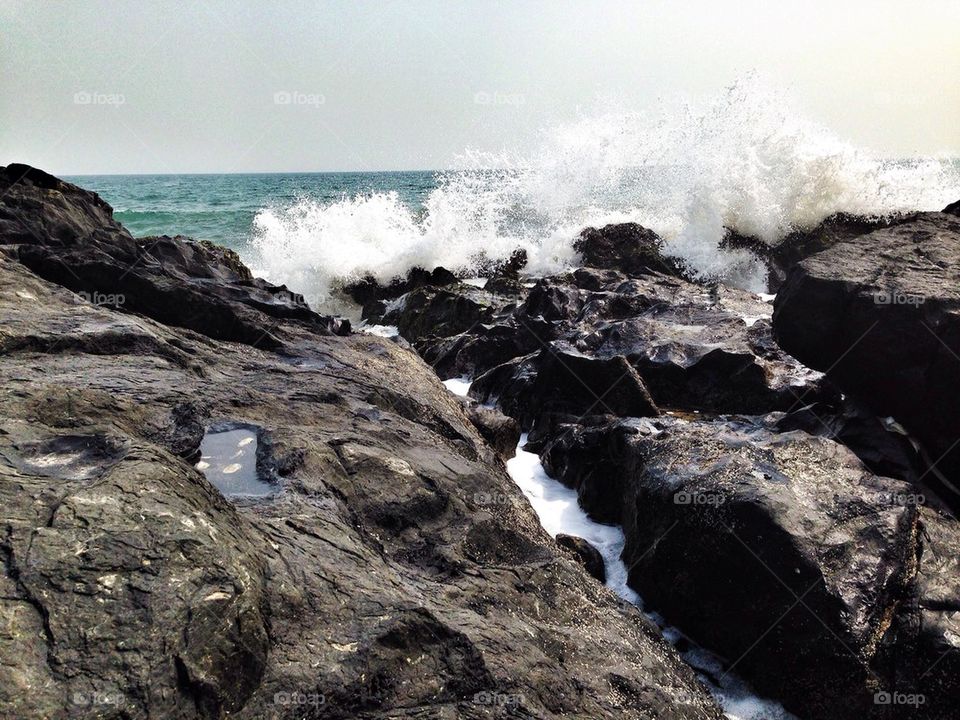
[
  {"x": 559, "y": 511},
  {"x": 745, "y": 159}
]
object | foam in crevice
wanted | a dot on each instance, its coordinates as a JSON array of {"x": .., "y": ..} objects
[
  {"x": 559, "y": 511},
  {"x": 745, "y": 159}
]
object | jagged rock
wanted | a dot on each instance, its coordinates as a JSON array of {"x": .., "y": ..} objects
[
  {"x": 627, "y": 247},
  {"x": 68, "y": 235},
  {"x": 953, "y": 208},
  {"x": 369, "y": 290},
  {"x": 501, "y": 431},
  {"x": 557, "y": 380},
  {"x": 782, "y": 255},
  {"x": 778, "y": 550},
  {"x": 586, "y": 554},
  {"x": 880, "y": 314},
  {"x": 379, "y": 581}
]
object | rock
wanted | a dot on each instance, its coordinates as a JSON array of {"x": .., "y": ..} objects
[
  {"x": 880, "y": 314},
  {"x": 627, "y": 247},
  {"x": 586, "y": 554},
  {"x": 369, "y": 290},
  {"x": 953, "y": 208},
  {"x": 707, "y": 348},
  {"x": 882, "y": 446},
  {"x": 814, "y": 564},
  {"x": 558, "y": 380},
  {"x": 385, "y": 577},
  {"x": 782, "y": 255},
  {"x": 500, "y": 431},
  {"x": 68, "y": 235}
]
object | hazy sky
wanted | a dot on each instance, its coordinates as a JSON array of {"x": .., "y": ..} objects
[{"x": 99, "y": 87}]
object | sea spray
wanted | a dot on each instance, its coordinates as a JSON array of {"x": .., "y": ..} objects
[{"x": 745, "y": 160}]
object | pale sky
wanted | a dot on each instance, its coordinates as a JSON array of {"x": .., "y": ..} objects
[{"x": 236, "y": 86}]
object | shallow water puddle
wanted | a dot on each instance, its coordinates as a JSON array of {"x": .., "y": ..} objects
[{"x": 228, "y": 459}]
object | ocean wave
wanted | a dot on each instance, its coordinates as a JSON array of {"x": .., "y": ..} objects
[{"x": 744, "y": 160}]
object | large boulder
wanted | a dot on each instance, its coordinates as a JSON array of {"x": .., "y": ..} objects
[
  {"x": 557, "y": 380},
  {"x": 628, "y": 247},
  {"x": 781, "y": 552},
  {"x": 880, "y": 314}
]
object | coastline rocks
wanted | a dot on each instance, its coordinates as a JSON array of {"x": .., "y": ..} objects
[
  {"x": 880, "y": 314},
  {"x": 627, "y": 247},
  {"x": 558, "y": 380},
  {"x": 500, "y": 431},
  {"x": 68, "y": 235},
  {"x": 781, "y": 256},
  {"x": 397, "y": 570},
  {"x": 811, "y": 562},
  {"x": 586, "y": 554}
]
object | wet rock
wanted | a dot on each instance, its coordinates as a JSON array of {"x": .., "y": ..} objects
[
  {"x": 380, "y": 580},
  {"x": 782, "y": 255},
  {"x": 811, "y": 561},
  {"x": 879, "y": 314},
  {"x": 368, "y": 290},
  {"x": 586, "y": 554},
  {"x": 558, "y": 380},
  {"x": 68, "y": 235},
  {"x": 500, "y": 431},
  {"x": 627, "y": 247}
]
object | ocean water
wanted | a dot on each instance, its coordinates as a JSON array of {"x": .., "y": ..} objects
[{"x": 744, "y": 159}]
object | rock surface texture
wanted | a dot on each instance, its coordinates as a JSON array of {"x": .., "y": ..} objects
[
  {"x": 375, "y": 582},
  {"x": 772, "y": 510}
]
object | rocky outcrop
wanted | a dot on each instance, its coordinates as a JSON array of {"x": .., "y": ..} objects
[
  {"x": 68, "y": 235},
  {"x": 880, "y": 314},
  {"x": 586, "y": 554},
  {"x": 781, "y": 256},
  {"x": 558, "y": 381},
  {"x": 627, "y": 247},
  {"x": 396, "y": 572},
  {"x": 816, "y": 566}
]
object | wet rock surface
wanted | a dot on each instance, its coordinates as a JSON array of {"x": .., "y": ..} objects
[
  {"x": 374, "y": 583},
  {"x": 813, "y": 563},
  {"x": 778, "y": 516},
  {"x": 879, "y": 314}
]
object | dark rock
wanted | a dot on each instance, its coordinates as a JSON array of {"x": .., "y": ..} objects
[
  {"x": 782, "y": 255},
  {"x": 880, "y": 314},
  {"x": 810, "y": 561},
  {"x": 68, "y": 235},
  {"x": 881, "y": 445},
  {"x": 627, "y": 247},
  {"x": 369, "y": 290},
  {"x": 500, "y": 431},
  {"x": 377, "y": 582},
  {"x": 586, "y": 554},
  {"x": 953, "y": 208},
  {"x": 560, "y": 381}
]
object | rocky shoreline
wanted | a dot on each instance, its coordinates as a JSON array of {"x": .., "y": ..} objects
[{"x": 791, "y": 512}]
